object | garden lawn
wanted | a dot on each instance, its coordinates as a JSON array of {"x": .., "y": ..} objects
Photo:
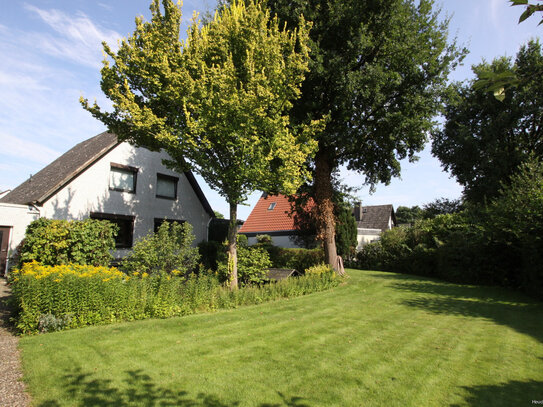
[{"x": 381, "y": 339}]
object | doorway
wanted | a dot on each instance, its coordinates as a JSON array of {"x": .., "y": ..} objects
[{"x": 4, "y": 246}]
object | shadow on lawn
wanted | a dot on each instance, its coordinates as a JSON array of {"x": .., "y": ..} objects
[
  {"x": 138, "y": 389},
  {"x": 512, "y": 393},
  {"x": 504, "y": 307}
]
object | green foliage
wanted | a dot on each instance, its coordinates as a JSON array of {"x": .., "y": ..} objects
[
  {"x": 530, "y": 9},
  {"x": 218, "y": 230},
  {"x": 515, "y": 222},
  {"x": 170, "y": 248},
  {"x": 217, "y": 102},
  {"x": 253, "y": 263},
  {"x": 61, "y": 297},
  {"x": 377, "y": 70},
  {"x": 346, "y": 231},
  {"x": 408, "y": 215},
  {"x": 53, "y": 242},
  {"x": 298, "y": 259},
  {"x": 484, "y": 140},
  {"x": 319, "y": 269},
  {"x": 501, "y": 244},
  {"x": 210, "y": 254},
  {"x": 367, "y": 56},
  {"x": 263, "y": 239}
]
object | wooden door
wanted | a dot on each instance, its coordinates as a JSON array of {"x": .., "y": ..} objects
[{"x": 4, "y": 242}]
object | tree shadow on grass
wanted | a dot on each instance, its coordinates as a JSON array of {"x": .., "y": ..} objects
[
  {"x": 513, "y": 393},
  {"x": 502, "y": 306},
  {"x": 138, "y": 389}
]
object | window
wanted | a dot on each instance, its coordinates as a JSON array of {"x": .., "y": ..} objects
[
  {"x": 123, "y": 178},
  {"x": 159, "y": 221},
  {"x": 166, "y": 186},
  {"x": 272, "y": 205},
  {"x": 124, "y": 237}
]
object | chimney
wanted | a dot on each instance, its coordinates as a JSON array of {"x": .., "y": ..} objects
[{"x": 357, "y": 211}]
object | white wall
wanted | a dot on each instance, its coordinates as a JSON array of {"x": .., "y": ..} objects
[
  {"x": 280, "y": 241},
  {"x": 17, "y": 218},
  {"x": 89, "y": 192},
  {"x": 365, "y": 236}
]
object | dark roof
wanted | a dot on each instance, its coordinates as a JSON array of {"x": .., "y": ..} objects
[
  {"x": 44, "y": 184},
  {"x": 376, "y": 217},
  {"x": 41, "y": 186}
]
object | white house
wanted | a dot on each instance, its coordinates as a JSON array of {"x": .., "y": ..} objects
[
  {"x": 372, "y": 221},
  {"x": 102, "y": 178}
]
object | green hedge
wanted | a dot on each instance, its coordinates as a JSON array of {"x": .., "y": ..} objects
[
  {"x": 298, "y": 259},
  {"x": 54, "y": 242}
]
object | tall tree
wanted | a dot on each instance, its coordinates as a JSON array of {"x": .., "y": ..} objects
[
  {"x": 217, "y": 103},
  {"x": 484, "y": 140},
  {"x": 377, "y": 69}
]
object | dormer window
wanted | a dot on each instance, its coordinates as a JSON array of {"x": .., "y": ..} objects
[
  {"x": 123, "y": 178},
  {"x": 272, "y": 205}
]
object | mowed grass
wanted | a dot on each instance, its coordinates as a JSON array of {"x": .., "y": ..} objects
[{"x": 379, "y": 340}]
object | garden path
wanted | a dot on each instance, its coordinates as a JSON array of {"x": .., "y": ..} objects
[{"x": 12, "y": 388}]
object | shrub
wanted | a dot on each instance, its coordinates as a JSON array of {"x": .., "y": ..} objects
[
  {"x": 298, "y": 259},
  {"x": 253, "y": 263},
  {"x": 211, "y": 253},
  {"x": 54, "y": 242},
  {"x": 263, "y": 239},
  {"x": 170, "y": 248},
  {"x": 49, "y": 298},
  {"x": 318, "y": 270}
]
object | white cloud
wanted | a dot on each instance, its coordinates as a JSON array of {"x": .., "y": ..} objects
[
  {"x": 26, "y": 149},
  {"x": 76, "y": 37},
  {"x": 20, "y": 81}
]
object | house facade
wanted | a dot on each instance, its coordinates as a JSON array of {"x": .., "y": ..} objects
[
  {"x": 271, "y": 216},
  {"x": 371, "y": 221},
  {"x": 102, "y": 178}
]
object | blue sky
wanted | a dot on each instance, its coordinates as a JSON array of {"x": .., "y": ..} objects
[{"x": 50, "y": 55}]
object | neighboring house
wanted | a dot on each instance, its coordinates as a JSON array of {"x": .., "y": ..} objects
[
  {"x": 271, "y": 216},
  {"x": 102, "y": 178},
  {"x": 372, "y": 221}
]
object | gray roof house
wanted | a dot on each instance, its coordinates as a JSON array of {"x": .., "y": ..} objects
[
  {"x": 103, "y": 178},
  {"x": 372, "y": 221}
]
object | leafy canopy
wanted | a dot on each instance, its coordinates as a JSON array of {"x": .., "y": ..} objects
[
  {"x": 218, "y": 102},
  {"x": 377, "y": 68},
  {"x": 484, "y": 140}
]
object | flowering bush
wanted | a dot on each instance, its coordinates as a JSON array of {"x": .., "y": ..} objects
[{"x": 50, "y": 298}]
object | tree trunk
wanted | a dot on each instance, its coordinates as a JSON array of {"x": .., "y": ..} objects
[
  {"x": 326, "y": 223},
  {"x": 232, "y": 247}
]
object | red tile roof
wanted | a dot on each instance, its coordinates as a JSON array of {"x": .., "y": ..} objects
[{"x": 265, "y": 219}]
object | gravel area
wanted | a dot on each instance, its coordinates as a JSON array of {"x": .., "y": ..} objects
[{"x": 12, "y": 389}]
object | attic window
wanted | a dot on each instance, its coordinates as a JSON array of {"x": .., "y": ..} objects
[
  {"x": 166, "y": 186},
  {"x": 364, "y": 210},
  {"x": 123, "y": 178},
  {"x": 272, "y": 205}
]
